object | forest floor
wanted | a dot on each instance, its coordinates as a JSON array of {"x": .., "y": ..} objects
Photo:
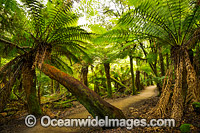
[
  {"x": 78, "y": 111},
  {"x": 133, "y": 107}
]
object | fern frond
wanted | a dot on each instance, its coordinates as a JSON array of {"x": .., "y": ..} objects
[
  {"x": 161, "y": 19},
  {"x": 35, "y": 12},
  {"x": 57, "y": 62},
  {"x": 67, "y": 34},
  {"x": 60, "y": 17}
]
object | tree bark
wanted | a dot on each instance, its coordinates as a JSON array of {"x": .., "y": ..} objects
[
  {"x": 29, "y": 84},
  {"x": 161, "y": 63},
  {"x": 137, "y": 80},
  {"x": 107, "y": 70},
  {"x": 132, "y": 75},
  {"x": 197, "y": 61},
  {"x": 84, "y": 73},
  {"x": 95, "y": 105}
]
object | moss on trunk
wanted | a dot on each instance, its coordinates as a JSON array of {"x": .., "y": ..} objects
[{"x": 29, "y": 84}]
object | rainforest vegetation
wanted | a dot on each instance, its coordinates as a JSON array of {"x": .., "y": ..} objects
[{"x": 55, "y": 54}]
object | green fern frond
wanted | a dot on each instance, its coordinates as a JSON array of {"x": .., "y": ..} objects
[
  {"x": 162, "y": 19},
  {"x": 35, "y": 12},
  {"x": 57, "y": 62}
]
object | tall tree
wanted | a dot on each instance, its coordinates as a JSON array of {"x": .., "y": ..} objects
[
  {"x": 52, "y": 35},
  {"x": 175, "y": 23}
]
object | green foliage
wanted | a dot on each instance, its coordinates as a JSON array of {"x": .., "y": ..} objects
[
  {"x": 158, "y": 79},
  {"x": 151, "y": 57},
  {"x": 48, "y": 33},
  {"x": 196, "y": 106},
  {"x": 164, "y": 20},
  {"x": 185, "y": 128}
]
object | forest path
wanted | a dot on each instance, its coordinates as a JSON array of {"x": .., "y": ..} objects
[{"x": 121, "y": 103}]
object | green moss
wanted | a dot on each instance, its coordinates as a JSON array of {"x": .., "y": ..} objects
[{"x": 34, "y": 106}]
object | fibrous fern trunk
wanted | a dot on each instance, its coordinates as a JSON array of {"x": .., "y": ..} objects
[
  {"x": 95, "y": 105},
  {"x": 179, "y": 97},
  {"x": 29, "y": 84}
]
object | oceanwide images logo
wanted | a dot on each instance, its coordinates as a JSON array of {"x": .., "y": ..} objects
[{"x": 46, "y": 121}]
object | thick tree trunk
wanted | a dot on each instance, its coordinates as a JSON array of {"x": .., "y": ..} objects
[
  {"x": 95, "y": 105},
  {"x": 84, "y": 73},
  {"x": 132, "y": 75},
  {"x": 29, "y": 84},
  {"x": 185, "y": 90},
  {"x": 107, "y": 70}
]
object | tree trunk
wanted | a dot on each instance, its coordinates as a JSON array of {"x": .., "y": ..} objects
[
  {"x": 39, "y": 94},
  {"x": 84, "y": 73},
  {"x": 57, "y": 84},
  {"x": 197, "y": 61},
  {"x": 107, "y": 70},
  {"x": 52, "y": 87},
  {"x": 161, "y": 63},
  {"x": 137, "y": 80},
  {"x": 185, "y": 90},
  {"x": 96, "y": 87},
  {"x": 29, "y": 84},
  {"x": 132, "y": 75},
  {"x": 95, "y": 105},
  {"x": 167, "y": 60}
]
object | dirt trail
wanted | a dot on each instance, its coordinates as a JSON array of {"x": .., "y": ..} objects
[{"x": 122, "y": 103}]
